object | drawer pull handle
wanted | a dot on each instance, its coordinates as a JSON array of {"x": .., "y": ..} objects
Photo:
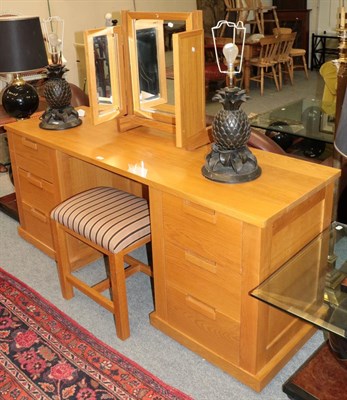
[
  {"x": 200, "y": 212},
  {"x": 39, "y": 215},
  {"x": 201, "y": 262},
  {"x": 29, "y": 143},
  {"x": 34, "y": 181},
  {"x": 201, "y": 307}
]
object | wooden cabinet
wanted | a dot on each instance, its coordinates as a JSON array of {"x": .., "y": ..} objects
[
  {"x": 210, "y": 262},
  {"x": 37, "y": 188},
  {"x": 299, "y": 21},
  {"x": 203, "y": 274},
  {"x": 290, "y": 4},
  {"x": 212, "y": 243}
]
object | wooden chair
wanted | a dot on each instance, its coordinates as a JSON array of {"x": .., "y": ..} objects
[
  {"x": 261, "y": 10},
  {"x": 301, "y": 54},
  {"x": 267, "y": 60},
  {"x": 241, "y": 10},
  {"x": 285, "y": 45},
  {"x": 114, "y": 223},
  {"x": 295, "y": 52}
]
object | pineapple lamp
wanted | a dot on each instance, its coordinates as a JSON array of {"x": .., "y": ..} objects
[
  {"x": 230, "y": 160},
  {"x": 59, "y": 114}
]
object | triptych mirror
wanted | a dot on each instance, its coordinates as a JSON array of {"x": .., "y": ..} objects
[{"x": 150, "y": 71}]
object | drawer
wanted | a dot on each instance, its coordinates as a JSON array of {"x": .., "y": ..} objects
[
  {"x": 34, "y": 157},
  {"x": 36, "y": 191},
  {"x": 189, "y": 225},
  {"x": 36, "y": 223},
  {"x": 215, "y": 284},
  {"x": 203, "y": 324}
]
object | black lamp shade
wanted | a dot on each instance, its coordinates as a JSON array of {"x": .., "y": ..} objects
[{"x": 21, "y": 44}]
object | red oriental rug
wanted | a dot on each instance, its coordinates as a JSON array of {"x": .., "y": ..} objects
[{"x": 46, "y": 355}]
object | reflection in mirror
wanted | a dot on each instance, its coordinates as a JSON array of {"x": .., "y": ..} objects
[
  {"x": 102, "y": 69},
  {"x": 105, "y": 67},
  {"x": 147, "y": 63},
  {"x": 149, "y": 88},
  {"x": 154, "y": 90}
]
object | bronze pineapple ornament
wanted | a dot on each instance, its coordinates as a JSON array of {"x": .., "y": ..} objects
[
  {"x": 230, "y": 160},
  {"x": 59, "y": 113}
]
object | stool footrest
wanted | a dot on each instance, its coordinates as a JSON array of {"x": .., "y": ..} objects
[
  {"x": 92, "y": 293},
  {"x": 102, "y": 285},
  {"x": 136, "y": 266}
]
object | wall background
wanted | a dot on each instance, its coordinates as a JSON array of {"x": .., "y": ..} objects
[{"x": 88, "y": 14}]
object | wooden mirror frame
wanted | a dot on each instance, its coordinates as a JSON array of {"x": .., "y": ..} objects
[
  {"x": 102, "y": 112},
  {"x": 186, "y": 119}
]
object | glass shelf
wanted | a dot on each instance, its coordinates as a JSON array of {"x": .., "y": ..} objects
[{"x": 312, "y": 285}]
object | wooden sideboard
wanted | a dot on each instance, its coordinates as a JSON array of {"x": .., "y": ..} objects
[
  {"x": 212, "y": 243},
  {"x": 299, "y": 21}
]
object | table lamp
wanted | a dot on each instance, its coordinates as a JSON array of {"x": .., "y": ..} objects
[
  {"x": 23, "y": 50},
  {"x": 230, "y": 160},
  {"x": 59, "y": 114}
]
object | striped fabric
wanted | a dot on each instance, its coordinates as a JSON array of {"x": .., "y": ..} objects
[{"x": 109, "y": 217}]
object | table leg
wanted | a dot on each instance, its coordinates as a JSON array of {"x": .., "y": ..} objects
[{"x": 247, "y": 55}]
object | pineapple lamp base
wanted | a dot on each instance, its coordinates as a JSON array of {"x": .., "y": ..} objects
[
  {"x": 231, "y": 166},
  {"x": 59, "y": 114},
  {"x": 60, "y": 118},
  {"x": 230, "y": 160}
]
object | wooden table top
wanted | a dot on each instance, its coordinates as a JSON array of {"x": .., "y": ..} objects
[{"x": 283, "y": 183}]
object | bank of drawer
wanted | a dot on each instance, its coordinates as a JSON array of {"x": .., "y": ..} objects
[
  {"x": 36, "y": 191},
  {"x": 189, "y": 225},
  {"x": 203, "y": 323},
  {"x": 215, "y": 284},
  {"x": 34, "y": 157},
  {"x": 37, "y": 224}
]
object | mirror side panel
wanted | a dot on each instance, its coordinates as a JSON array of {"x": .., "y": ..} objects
[
  {"x": 189, "y": 71},
  {"x": 105, "y": 65}
]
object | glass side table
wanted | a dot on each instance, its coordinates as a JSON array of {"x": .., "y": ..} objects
[
  {"x": 313, "y": 286},
  {"x": 301, "y": 124},
  {"x": 304, "y": 118}
]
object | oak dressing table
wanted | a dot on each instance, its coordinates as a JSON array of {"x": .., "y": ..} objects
[{"x": 212, "y": 243}]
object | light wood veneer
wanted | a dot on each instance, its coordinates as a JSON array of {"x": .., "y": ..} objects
[{"x": 212, "y": 242}]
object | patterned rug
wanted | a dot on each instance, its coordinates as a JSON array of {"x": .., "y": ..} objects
[{"x": 46, "y": 355}]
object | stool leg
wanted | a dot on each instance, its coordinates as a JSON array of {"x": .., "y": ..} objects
[
  {"x": 62, "y": 259},
  {"x": 119, "y": 295}
]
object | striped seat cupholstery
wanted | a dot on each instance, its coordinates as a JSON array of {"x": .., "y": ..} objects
[{"x": 109, "y": 217}]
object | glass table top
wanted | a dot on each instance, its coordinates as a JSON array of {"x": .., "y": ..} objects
[
  {"x": 303, "y": 118},
  {"x": 312, "y": 285}
]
